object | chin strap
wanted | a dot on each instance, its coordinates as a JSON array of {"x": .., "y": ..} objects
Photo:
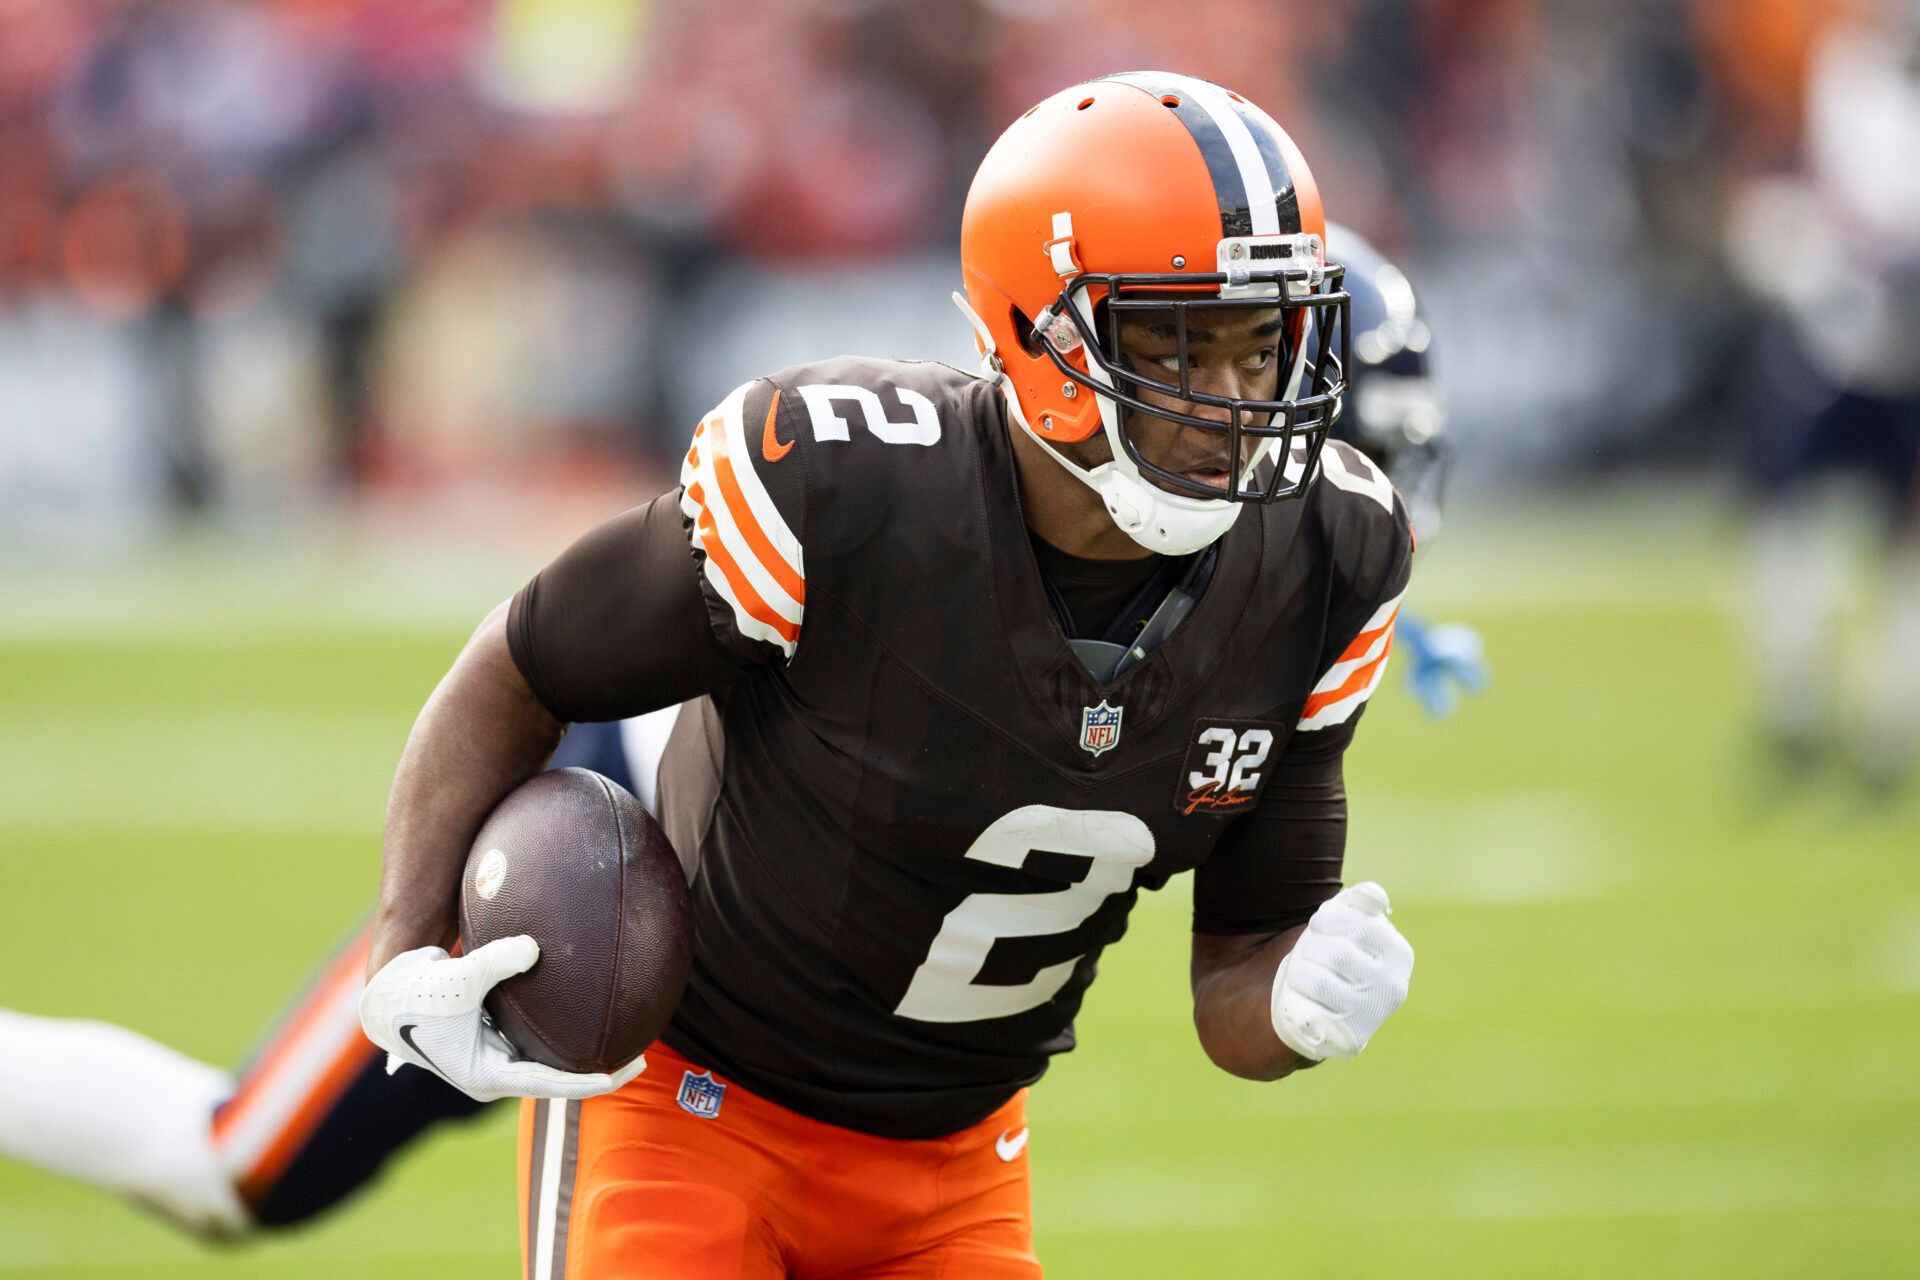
[
  {"x": 1161, "y": 522},
  {"x": 994, "y": 369},
  {"x": 990, "y": 360}
]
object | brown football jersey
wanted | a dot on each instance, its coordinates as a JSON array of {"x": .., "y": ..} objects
[{"x": 911, "y": 815}]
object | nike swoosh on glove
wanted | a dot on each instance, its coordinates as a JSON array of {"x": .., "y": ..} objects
[
  {"x": 426, "y": 1007},
  {"x": 1348, "y": 971}
]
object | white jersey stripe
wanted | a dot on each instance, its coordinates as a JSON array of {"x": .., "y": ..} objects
[
  {"x": 724, "y": 433},
  {"x": 760, "y": 503},
  {"x": 1342, "y": 711},
  {"x": 727, "y": 526},
  {"x": 273, "y": 1100},
  {"x": 1360, "y": 476},
  {"x": 1341, "y": 671},
  {"x": 1358, "y": 657}
]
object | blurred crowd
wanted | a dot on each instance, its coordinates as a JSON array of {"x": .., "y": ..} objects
[{"x": 257, "y": 254}]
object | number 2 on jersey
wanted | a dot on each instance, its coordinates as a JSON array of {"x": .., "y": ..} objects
[{"x": 944, "y": 987}]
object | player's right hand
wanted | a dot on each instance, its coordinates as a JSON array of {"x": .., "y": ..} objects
[
  {"x": 425, "y": 1007},
  {"x": 1346, "y": 974}
]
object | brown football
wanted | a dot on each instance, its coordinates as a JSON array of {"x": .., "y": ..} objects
[{"x": 574, "y": 860}]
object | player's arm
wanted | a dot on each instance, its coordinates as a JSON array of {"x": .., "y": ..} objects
[
  {"x": 1232, "y": 979},
  {"x": 1268, "y": 874},
  {"x": 615, "y": 627},
  {"x": 669, "y": 601},
  {"x": 481, "y": 734},
  {"x": 1288, "y": 968}
]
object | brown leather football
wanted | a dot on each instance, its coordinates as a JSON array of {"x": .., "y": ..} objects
[{"x": 574, "y": 860}]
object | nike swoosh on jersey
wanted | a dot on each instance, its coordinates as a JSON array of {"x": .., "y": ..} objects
[
  {"x": 752, "y": 560},
  {"x": 1009, "y": 1148},
  {"x": 406, "y": 1034},
  {"x": 772, "y": 448}
]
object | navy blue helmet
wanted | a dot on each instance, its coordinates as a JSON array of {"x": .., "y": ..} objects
[{"x": 1393, "y": 412}]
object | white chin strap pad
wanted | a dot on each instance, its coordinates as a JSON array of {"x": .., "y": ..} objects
[{"x": 1160, "y": 521}]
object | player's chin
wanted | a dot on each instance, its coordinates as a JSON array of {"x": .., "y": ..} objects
[
  {"x": 1204, "y": 469},
  {"x": 1214, "y": 478},
  {"x": 1202, "y": 473}
]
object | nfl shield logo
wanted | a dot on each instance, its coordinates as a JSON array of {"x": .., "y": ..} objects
[
  {"x": 701, "y": 1094},
  {"x": 1100, "y": 727}
]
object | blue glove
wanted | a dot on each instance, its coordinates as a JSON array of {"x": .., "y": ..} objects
[{"x": 1441, "y": 661}]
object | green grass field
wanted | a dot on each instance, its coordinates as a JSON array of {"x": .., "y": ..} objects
[{"x": 1666, "y": 1020}]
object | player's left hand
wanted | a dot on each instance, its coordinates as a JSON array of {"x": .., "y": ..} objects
[
  {"x": 1442, "y": 661},
  {"x": 1348, "y": 971}
]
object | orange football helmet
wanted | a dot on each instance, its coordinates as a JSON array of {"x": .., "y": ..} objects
[{"x": 1153, "y": 191}]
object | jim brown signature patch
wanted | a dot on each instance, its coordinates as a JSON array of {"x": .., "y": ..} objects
[{"x": 1226, "y": 766}]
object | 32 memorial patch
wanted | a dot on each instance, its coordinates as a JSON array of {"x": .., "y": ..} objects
[{"x": 1226, "y": 766}]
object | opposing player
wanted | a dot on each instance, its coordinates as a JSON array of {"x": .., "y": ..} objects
[
  {"x": 1394, "y": 415},
  {"x": 313, "y": 1116},
  {"x": 968, "y": 663}
]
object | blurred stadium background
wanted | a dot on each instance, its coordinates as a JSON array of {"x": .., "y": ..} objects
[{"x": 324, "y": 322}]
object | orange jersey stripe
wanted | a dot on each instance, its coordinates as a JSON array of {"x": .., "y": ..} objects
[
  {"x": 1364, "y": 641},
  {"x": 693, "y": 449},
  {"x": 743, "y": 591},
  {"x": 763, "y": 550},
  {"x": 1353, "y": 684},
  {"x": 349, "y": 969},
  {"x": 351, "y": 1059}
]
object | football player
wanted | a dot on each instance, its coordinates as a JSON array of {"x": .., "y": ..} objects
[
  {"x": 1834, "y": 427},
  {"x": 290, "y": 1138},
  {"x": 1394, "y": 415},
  {"x": 1103, "y": 551},
  {"x": 968, "y": 662}
]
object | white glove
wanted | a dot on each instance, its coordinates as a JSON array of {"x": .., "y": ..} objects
[
  {"x": 1348, "y": 971},
  {"x": 424, "y": 1007}
]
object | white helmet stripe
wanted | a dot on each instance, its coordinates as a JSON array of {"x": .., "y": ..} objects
[
  {"x": 1210, "y": 115},
  {"x": 1261, "y": 197}
]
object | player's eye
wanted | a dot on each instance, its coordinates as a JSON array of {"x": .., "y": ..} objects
[{"x": 1262, "y": 359}]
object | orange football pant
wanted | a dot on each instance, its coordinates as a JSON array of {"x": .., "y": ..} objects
[{"x": 636, "y": 1184}]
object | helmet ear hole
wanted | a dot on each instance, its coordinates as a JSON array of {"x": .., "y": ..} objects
[{"x": 1023, "y": 330}]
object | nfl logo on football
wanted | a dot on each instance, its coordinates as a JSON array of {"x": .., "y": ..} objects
[
  {"x": 1100, "y": 727},
  {"x": 701, "y": 1094}
]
